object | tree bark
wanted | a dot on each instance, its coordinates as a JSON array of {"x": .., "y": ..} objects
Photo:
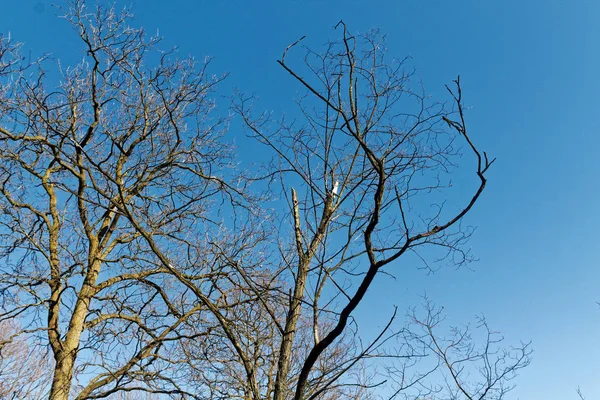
[{"x": 63, "y": 375}]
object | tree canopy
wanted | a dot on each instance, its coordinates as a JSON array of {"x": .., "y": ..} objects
[{"x": 140, "y": 256}]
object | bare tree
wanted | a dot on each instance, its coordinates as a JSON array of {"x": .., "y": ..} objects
[
  {"x": 149, "y": 266},
  {"x": 362, "y": 166},
  {"x": 23, "y": 370},
  {"x": 458, "y": 362},
  {"x": 100, "y": 163}
]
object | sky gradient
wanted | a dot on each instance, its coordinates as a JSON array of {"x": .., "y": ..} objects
[{"x": 530, "y": 75}]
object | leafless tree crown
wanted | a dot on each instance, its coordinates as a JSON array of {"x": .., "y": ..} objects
[{"x": 148, "y": 265}]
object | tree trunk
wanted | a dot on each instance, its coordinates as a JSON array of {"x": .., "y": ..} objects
[
  {"x": 67, "y": 353},
  {"x": 63, "y": 376}
]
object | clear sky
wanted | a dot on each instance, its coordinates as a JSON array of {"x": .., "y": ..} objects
[{"x": 531, "y": 73}]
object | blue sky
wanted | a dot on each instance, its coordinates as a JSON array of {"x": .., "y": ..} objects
[{"x": 530, "y": 74}]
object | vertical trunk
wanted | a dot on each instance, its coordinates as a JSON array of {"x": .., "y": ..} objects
[
  {"x": 65, "y": 355},
  {"x": 63, "y": 376},
  {"x": 295, "y": 309},
  {"x": 285, "y": 351}
]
